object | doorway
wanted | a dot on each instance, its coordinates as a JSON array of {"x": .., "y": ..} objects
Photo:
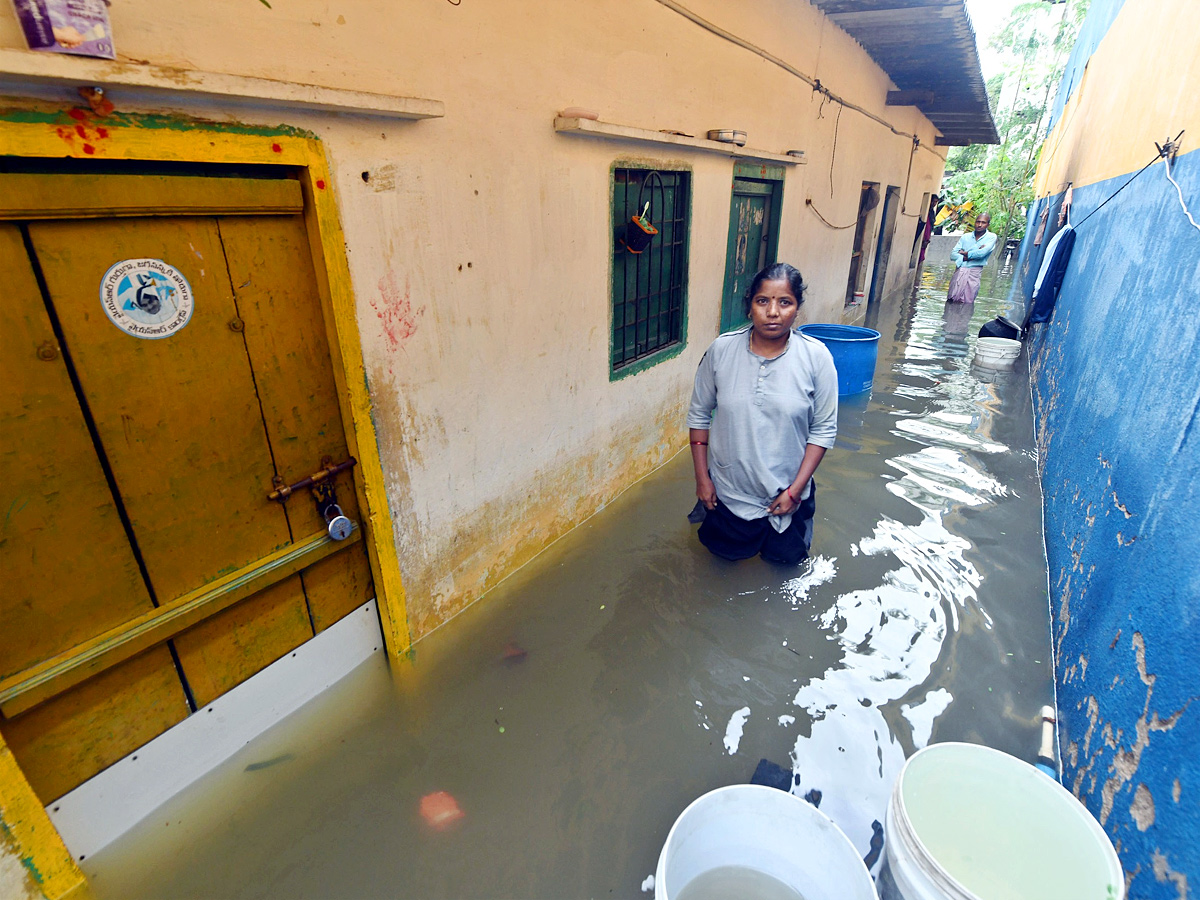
[
  {"x": 883, "y": 251},
  {"x": 922, "y": 224},
  {"x": 753, "y": 235},
  {"x": 170, "y": 370},
  {"x": 868, "y": 200}
]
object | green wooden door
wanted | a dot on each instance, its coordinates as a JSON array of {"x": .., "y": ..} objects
[{"x": 753, "y": 241}]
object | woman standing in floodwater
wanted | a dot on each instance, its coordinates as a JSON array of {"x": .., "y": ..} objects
[{"x": 763, "y": 413}]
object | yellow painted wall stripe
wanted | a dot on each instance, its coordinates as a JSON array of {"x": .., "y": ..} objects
[{"x": 1103, "y": 128}]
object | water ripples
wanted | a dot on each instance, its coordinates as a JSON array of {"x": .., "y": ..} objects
[{"x": 892, "y": 634}]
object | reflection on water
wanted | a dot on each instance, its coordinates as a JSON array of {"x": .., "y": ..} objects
[
  {"x": 649, "y": 672},
  {"x": 893, "y": 634}
]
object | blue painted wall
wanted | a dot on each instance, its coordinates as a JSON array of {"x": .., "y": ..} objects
[{"x": 1116, "y": 383}]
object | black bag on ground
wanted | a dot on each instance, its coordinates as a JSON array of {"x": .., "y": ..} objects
[{"x": 1002, "y": 328}]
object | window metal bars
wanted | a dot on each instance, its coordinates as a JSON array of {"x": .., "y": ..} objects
[{"x": 648, "y": 288}]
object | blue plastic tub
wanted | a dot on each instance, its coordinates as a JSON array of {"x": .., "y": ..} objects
[{"x": 854, "y": 352}]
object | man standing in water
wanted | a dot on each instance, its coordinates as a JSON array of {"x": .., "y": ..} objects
[{"x": 970, "y": 256}]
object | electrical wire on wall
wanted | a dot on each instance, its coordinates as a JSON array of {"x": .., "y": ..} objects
[
  {"x": 814, "y": 83},
  {"x": 808, "y": 202},
  {"x": 1168, "y": 153},
  {"x": 833, "y": 155}
]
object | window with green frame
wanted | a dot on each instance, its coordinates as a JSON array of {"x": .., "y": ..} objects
[{"x": 649, "y": 276}]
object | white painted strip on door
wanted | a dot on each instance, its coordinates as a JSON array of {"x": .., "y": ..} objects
[{"x": 106, "y": 806}]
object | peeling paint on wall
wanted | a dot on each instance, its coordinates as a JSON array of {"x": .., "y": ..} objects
[
  {"x": 1141, "y": 810},
  {"x": 14, "y": 881},
  {"x": 1164, "y": 874},
  {"x": 17, "y": 875},
  {"x": 1120, "y": 484}
]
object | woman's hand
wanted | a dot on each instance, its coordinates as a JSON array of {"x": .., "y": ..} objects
[
  {"x": 782, "y": 505},
  {"x": 705, "y": 491}
]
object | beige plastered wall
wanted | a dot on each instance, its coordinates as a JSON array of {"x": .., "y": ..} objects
[
  {"x": 15, "y": 883},
  {"x": 480, "y": 243}
]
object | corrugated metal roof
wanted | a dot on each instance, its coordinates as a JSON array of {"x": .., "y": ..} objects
[{"x": 927, "y": 47}]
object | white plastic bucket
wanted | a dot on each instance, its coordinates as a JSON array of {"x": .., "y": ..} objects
[
  {"x": 769, "y": 831},
  {"x": 995, "y": 352},
  {"x": 971, "y": 823}
]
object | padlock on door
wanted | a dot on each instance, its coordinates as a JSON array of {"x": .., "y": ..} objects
[{"x": 338, "y": 524}]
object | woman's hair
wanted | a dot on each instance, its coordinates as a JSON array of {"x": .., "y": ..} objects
[{"x": 776, "y": 272}]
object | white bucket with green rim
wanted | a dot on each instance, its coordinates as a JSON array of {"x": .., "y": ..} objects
[{"x": 967, "y": 822}]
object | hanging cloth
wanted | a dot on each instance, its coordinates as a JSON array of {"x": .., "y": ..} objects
[
  {"x": 1050, "y": 276},
  {"x": 1041, "y": 231},
  {"x": 1064, "y": 213}
]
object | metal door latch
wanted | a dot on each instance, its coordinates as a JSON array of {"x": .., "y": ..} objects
[
  {"x": 328, "y": 470},
  {"x": 339, "y": 525}
]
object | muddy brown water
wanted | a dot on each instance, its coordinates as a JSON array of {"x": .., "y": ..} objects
[{"x": 585, "y": 702}]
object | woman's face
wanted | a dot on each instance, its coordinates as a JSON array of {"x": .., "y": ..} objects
[{"x": 773, "y": 309}]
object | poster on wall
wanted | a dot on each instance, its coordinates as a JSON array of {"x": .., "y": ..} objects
[{"x": 67, "y": 26}]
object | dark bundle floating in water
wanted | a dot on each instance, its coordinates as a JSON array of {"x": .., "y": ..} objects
[{"x": 1002, "y": 328}]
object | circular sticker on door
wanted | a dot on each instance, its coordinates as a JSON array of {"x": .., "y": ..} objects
[{"x": 147, "y": 298}]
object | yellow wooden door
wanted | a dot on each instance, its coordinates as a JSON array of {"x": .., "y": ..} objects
[
  {"x": 191, "y": 430},
  {"x": 275, "y": 288},
  {"x": 69, "y": 570},
  {"x": 179, "y": 420}
]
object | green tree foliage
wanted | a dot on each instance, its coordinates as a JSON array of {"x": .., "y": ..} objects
[{"x": 1034, "y": 43}]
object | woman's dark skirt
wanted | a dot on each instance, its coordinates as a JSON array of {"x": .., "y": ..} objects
[{"x": 730, "y": 537}]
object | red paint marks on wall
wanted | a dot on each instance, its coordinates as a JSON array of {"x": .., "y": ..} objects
[
  {"x": 91, "y": 136},
  {"x": 320, "y": 184},
  {"x": 395, "y": 311},
  {"x": 276, "y": 148}
]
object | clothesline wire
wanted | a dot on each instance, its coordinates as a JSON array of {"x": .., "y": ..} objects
[{"x": 1118, "y": 190}]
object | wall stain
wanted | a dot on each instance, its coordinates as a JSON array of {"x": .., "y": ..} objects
[
  {"x": 506, "y": 532},
  {"x": 395, "y": 311}
]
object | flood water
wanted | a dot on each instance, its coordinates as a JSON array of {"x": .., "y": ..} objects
[{"x": 574, "y": 712}]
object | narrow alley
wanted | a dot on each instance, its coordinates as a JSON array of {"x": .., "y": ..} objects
[{"x": 574, "y": 712}]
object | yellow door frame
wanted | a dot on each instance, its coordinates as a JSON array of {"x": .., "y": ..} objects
[{"x": 54, "y": 133}]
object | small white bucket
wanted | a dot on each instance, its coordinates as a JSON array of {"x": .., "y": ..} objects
[
  {"x": 768, "y": 831},
  {"x": 967, "y": 822},
  {"x": 996, "y": 353}
]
